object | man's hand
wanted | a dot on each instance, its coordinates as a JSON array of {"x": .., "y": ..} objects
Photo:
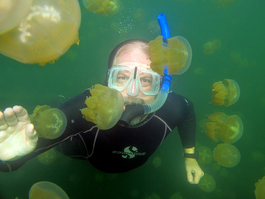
[
  {"x": 17, "y": 134},
  {"x": 194, "y": 171}
]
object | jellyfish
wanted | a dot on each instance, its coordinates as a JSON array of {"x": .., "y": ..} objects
[
  {"x": 138, "y": 14},
  {"x": 211, "y": 46},
  {"x": 226, "y": 155},
  {"x": 236, "y": 58},
  {"x": 257, "y": 156},
  {"x": 225, "y": 93},
  {"x": 106, "y": 7},
  {"x": 45, "y": 189},
  {"x": 222, "y": 4},
  {"x": 205, "y": 155},
  {"x": 44, "y": 34},
  {"x": 153, "y": 196},
  {"x": 157, "y": 162},
  {"x": 260, "y": 189},
  {"x": 104, "y": 107},
  {"x": 199, "y": 71},
  {"x": 207, "y": 183},
  {"x": 11, "y": 13},
  {"x": 49, "y": 123},
  {"x": 228, "y": 128},
  {"x": 113, "y": 8},
  {"x": 176, "y": 196},
  {"x": 175, "y": 55},
  {"x": 47, "y": 157}
]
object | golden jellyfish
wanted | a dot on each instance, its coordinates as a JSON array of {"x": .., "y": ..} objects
[
  {"x": 138, "y": 14},
  {"x": 45, "y": 189},
  {"x": 104, "y": 106},
  {"x": 257, "y": 156},
  {"x": 226, "y": 155},
  {"x": 211, "y": 46},
  {"x": 44, "y": 34},
  {"x": 153, "y": 196},
  {"x": 222, "y": 4},
  {"x": 175, "y": 55},
  {"x": 207, "y": 183},
  {"x": 228, "y": 128},
  {"x": 176, "y": 196},
  {"x": 49, "y": 123},
  {"x": 157, "y": 162},
  {"x": 11, "y": 13},
  {"x": 236, "y": 58},
  {"x": 225, "y": 93},
  {"x": 106, "y": 7},
  {"x": 205, "y": 155},
  {"x": 260, "y": 189},
  {"x": 48, "y": 157}
]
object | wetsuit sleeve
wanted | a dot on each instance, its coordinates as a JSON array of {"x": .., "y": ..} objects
[
  {"x": 187, "y": 125},
  {"x": 71, "y": 109}
]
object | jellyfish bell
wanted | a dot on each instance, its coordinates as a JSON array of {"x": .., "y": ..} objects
[
  {"x": 48, "y": 157},
  {"x": 176, "y": 196},
  {"x": 45, "y": 189},
  {"x": 232, "y": 129},
  {"x": 48, "y": 122},
  {"x": 260, "y": 189},
  {"x": 211, "y": 46},
  {"x": 106, "y": 7},
  {"x": 225, "y": 93},
  {"x": 113, "y": 8},
  {"x": 104, "y": 106},
  {"x": 138, "y": 14},
  {"x": 179, "y": 64},
  {"x": 226, "y": 155},
  {"x": 175, "y": 55},
  {"x": 11, "y": 13},
  {"x": 207, "y": 183},
  {"x": 227, "y": 128},
  {"x": 157, "y": 162},
  {"x": 96, "y": 6},
  {"x": 205, "y": 155},
  {"x": 44, "y": 34}
]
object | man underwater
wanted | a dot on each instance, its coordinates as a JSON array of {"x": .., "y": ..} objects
[{"x": 120, "y": 148}]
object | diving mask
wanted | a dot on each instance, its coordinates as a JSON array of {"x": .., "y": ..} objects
[{"x": 135, "y": 78}]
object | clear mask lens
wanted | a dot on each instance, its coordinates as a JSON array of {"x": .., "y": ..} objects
[{"x": 147, "y": 81}]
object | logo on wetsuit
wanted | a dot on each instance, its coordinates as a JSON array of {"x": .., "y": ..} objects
[{"x": 129, "y": 152}]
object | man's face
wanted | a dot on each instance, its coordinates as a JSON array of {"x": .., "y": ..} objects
[{"x": 134, "y": 63}]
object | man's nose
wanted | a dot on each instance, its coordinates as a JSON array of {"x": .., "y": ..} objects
[{"x": 132, "y": 89}]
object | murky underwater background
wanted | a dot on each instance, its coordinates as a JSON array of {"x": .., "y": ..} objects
[{"x": 240, "y": 28}]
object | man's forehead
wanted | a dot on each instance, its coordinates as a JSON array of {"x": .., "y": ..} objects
[
  {"x": 132, "y": 56},
  {"x": 132, "y": 65}
]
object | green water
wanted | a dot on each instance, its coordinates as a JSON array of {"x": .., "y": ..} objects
[{"x": 240, "y": 28}]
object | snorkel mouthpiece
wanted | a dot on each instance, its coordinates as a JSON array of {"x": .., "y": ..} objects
[{"x": 131, "y": 111}]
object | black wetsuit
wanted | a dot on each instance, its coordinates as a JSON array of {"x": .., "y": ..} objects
[{"x": 120, "y": 148}]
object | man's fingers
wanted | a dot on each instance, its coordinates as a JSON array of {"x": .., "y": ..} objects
[
  {"x": 3, "y": 124},
  {"x": 10, "y": 117},
  {"x": 22, "y": 114},
  {"x": 31, "y": 134},
  {"x": 190, "y": 177}
]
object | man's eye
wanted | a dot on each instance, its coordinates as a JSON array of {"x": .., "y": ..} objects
[
  {"x": 145, "y": 80},
  {"x": 122, "y": 78}
]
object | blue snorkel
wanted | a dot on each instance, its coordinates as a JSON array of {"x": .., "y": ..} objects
[
  {"x": 162, "y": 95},
  {"x": 132, "y": 110}
]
